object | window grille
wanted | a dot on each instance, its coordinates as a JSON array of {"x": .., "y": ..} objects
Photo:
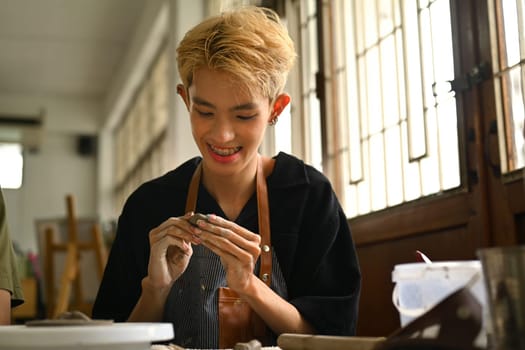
[{"x": 403, "y": 137}]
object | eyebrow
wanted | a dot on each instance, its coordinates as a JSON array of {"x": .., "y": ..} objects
[{"x": 244, "y": 106}]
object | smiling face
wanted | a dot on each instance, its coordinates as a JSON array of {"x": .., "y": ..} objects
[{"x": 228, "y": 124}]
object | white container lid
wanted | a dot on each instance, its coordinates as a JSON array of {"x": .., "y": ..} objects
[{"x": 417, "y": 271}]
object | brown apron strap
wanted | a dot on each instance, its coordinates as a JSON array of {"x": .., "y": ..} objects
[
  {"x": 193, "y": 190},
  {"x": 264, "y": 168}
]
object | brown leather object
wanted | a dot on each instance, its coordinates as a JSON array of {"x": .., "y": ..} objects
[{"x": 237, "y": 321}]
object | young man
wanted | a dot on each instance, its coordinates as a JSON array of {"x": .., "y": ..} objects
[
  {"x": 10, "y": 289},
  {"x": 233, "y": 69}
]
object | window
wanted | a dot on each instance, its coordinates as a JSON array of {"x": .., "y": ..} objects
[
  {"x": 283, "y": 132},
  {"x": 388, "y": 136},
  {"x": 140, "y": 139},
  {"x": 508, "y": 42},
  {"x": 311, "y": 131},
  {"x": 406, "y": 137},
  {"x": 12, "y": 165}
]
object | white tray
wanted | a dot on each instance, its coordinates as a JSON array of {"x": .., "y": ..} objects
[{"x": 114, "y": 336}]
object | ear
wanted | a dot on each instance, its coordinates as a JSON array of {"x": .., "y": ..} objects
[
  {"x": 280, "y": 103},
  {"x": 183, "y": 93}
]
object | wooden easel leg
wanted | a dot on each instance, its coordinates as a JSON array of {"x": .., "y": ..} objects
[
  {"x": 100, "y": 249},
  {"x": 49, "y": 271},
  {"x": 69, "y": 275},
  {"x": 73, "y": 238}
]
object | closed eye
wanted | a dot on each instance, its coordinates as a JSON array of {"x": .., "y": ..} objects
[
  {"x": 246, "y": 117},
  {"x": 204, "y": 114}
]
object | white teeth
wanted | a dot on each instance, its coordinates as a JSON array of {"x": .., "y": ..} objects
[{"x": 225, "y": 151}]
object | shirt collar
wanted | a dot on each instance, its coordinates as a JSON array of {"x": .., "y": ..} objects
[{"x": 289, "y": 171}]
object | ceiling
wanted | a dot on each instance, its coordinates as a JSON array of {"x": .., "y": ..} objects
[{"x": 68, "y": 48}]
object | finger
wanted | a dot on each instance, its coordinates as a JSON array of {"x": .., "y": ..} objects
[
  {"x": 184, "y": 234},
  {"x": 180, "y": 221},
  {"x": 178, "y": 246},
  {"x": 228, "y": 241},
  {"x": 224, "y": 241},
  {"x": 168, "y": 259},
  {"x": 226, "y": 250},
  {"x": 178, "y": 227},
  {"x": 230, "y": 231},
  {"x": 162, "y": 244},
  {"x": 232, "y": 226}
]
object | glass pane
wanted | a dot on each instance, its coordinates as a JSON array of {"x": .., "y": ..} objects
[
  {"x": 377, "y": 172},
  {"x": 443, "y": 62},
  {"x": 413, "y": 80},
  {"x": 356, "y": 166},
  {"x": 448, "y": 144},
  {"x": 312, "y": 54},
  {"x": 283, "y": 132},
  {"x": 351, "y": 194},
  {"x": 389, "y": 78},
  {"x": 363, "y": 187},
  {"x": 508, "y": 25},
  {"x": 400, "y": 68},
  {"x": 393, "y": 157},
  {"x": 430, "y": 179},
  {"x": 315, "y": 133},
  {"x": 370, "y": 24},
  {"x": 359, "y": 23},
  {"x": 412, "y": 180},
  {"x": 423, "y": 3},
  {"x": 427, "y": 58},
  {"x": 363, "y": 97},
  {"x": 373, "y": 81},
  {"x": 159, "y": 94},
  {"x": 511, "y": 31},
  {"x": 12, "y": 163},
  {"x": 386, "y": 17}
]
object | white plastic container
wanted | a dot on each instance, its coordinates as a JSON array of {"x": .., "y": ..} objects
[{"x": 420, "y": 286}]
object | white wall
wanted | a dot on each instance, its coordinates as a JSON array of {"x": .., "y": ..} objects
[
  {"x": 162, "y": 19},
  {"x": 144, "y": 46},
  {"x": 56, "y": 169},
  {"x": 183, "y": 16}
]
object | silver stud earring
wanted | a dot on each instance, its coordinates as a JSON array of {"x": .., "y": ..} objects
[{"x": 273, "y": 121}]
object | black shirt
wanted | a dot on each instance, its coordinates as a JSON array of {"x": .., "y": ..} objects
[{"x": 309, "y": 234}]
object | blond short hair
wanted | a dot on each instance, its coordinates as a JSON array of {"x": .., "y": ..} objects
[{"x": 250, "y": 43}]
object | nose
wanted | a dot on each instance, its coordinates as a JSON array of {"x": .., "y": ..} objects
[{"x": 223, "y": 130}]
